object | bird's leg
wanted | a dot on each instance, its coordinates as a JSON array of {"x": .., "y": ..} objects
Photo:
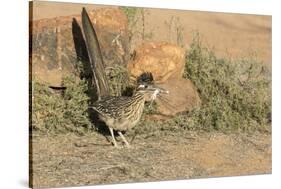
[
  {"x": 113, "y": 139},
  {"x": 124, "y": 139},
  {"x": 150, "y": 104}
]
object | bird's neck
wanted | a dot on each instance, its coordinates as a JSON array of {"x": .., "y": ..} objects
[
  {"x": 138, "y": 95},
  {"x": 139, "y": 100}
]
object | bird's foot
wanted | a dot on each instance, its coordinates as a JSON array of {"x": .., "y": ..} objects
[
  {"x": 128, "y": 146},
  {"x": 117, "y": 146}
]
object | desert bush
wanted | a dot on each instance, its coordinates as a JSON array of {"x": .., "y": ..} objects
[
  {"x": 67, "y": 110},
  {"x": 60, "y": 112},
  {"x": 118, "y": 80},
  {"x": 236, "y": 95}
]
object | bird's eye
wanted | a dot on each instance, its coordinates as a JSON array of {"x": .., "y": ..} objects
[{"x": 141, "y": 86}]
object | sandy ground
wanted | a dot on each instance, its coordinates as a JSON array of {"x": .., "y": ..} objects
[
  {"x": 231, "y": 35},
  {"x": 69, "y": 160}
]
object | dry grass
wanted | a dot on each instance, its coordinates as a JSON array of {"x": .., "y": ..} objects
[{"x": 71, "y": 160}]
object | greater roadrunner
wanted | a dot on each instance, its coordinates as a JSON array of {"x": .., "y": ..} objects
[{"x": 119, "y": 113}]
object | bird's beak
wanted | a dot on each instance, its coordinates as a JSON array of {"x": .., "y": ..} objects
[
  {"x": 161, "y": 90},
  {"x": 157, "y": 91}
]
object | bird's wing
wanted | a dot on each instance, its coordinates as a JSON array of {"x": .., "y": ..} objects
[
  {"x": 95, "y": 56},
  {"x": 112, "y": 105}
]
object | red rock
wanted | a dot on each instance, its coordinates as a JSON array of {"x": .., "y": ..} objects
[
  {"x": 162, "y": 59},
  {"x": 183, "y": 96},
  {"x": 57, "y": 43}
]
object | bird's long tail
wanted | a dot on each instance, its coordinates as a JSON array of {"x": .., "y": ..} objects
[{"x": 95, "y": 56}]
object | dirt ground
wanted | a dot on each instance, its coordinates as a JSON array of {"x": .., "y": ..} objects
[{"x": 70, "y": 160}]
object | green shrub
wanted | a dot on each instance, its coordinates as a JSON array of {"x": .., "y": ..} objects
[
  {"x": 60, "y": 112},
  {"x": 118, "y": 80},
  {"x": 236, "y": 95}
]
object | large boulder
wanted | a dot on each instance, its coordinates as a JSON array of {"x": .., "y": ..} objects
[
  {"x": 166, "y": 63},
  {"x": 112, "y": 30},
  {"x": 162, "y": 59},
  {"x": 183, "y": 96},
  {"x": 57, "y": 44}
]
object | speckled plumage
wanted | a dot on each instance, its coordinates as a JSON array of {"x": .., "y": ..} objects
[{"x": 119, "y": 112}]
